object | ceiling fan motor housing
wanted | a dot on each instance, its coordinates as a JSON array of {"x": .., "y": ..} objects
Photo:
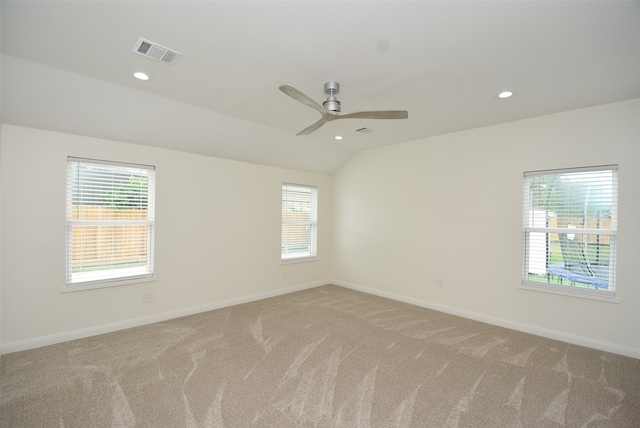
[{"x": 332, "y": 103}]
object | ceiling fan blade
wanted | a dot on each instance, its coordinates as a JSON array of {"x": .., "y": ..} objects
[
  {"x": 315, "y": 126},
  {"x": 388, "y": 114},
  {"x": 300, "y": 97}
]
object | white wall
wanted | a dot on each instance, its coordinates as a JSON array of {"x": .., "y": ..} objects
[
  {"x": 391, "y": 221},
  {"x": 0, "y": 194},
  {"x": 217, "y": 237},
  {"x": 451, "y": 207}
]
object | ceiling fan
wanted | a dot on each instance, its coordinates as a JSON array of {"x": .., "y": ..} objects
[{"x": 331, "y": 107}]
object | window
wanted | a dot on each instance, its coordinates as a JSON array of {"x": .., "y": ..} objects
[
  {"x": 110, "y": 221},
  {"x": 570, "y": 222},
  {"x": 299, "y": 221}
]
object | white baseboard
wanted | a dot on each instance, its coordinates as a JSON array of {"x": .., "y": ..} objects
[
  {"x": 38, "y": 342},
  {"x": 23, "y": 345},
  {"x": 501, "y": 322}
]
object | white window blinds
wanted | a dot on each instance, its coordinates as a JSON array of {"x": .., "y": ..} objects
[
  {"x": 299, "y": 221},
  {"x": 110, "y": 221},
  {"x": 570, "y": 229}
]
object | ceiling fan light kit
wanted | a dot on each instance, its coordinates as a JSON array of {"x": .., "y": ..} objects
[{"x": 331, "y": 107}]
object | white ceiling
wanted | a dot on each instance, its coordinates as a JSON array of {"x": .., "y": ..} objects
[{"x": 67, "y": 66}]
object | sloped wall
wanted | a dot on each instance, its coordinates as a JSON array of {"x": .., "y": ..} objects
[{"x": 450, "y": 207}]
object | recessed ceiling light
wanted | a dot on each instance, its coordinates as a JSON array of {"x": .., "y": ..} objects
[
  {"x": 338, "y": 137},
  {"x": 505, "y": 94},
  {"x": 140, "y": 75}
]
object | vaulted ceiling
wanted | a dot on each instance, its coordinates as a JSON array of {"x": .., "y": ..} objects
[{"x": 67, "y": 66}]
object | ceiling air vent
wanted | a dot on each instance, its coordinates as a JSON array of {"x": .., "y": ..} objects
[
  {"x": 156, "y": 51},
  {"x": 364, "y": 130}
]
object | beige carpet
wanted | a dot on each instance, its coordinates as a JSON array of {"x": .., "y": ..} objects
[{"x": 326, "y": 357}]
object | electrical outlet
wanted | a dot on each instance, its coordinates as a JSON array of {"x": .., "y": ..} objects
[
  {"x": 284, "y": 275},
  {"x": 147, "y": 297},
  {"x": 439, "y": 282}
]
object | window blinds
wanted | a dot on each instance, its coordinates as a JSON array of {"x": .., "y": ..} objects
[
  {"x": 110, "y": 219},
  {"x": 570, "y": 227},
  {"x": 299, "y": 221}
]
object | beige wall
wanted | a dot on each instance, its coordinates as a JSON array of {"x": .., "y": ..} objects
[
  {"x": 391, "y": 221},
  {"x": 0, "y": 196},
  {"x": 401, "y": 220},
  {"x": 217, "y": 237}
]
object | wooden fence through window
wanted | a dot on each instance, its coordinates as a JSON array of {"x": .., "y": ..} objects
[
  {"x": 113, "y": 246},
  {"x": 592, "y": 223}
]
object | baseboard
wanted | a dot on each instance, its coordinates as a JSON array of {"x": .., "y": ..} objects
[
  {"x": 501, "y": 322},
  {"x": 38, "y": 342},
  {"x": 23, "y": 345}
]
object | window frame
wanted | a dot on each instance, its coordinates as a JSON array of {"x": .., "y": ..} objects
[
  {"x": 113, "y": 276},
  {"x": 312, "y": 223},
  {"x": 608, "y": 294}
]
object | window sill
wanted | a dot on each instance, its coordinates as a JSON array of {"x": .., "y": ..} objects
[
  {"x": 106, "y": 284},
  {"x": 298, "y": 260},
  {"x": 587, "y": 294}
]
